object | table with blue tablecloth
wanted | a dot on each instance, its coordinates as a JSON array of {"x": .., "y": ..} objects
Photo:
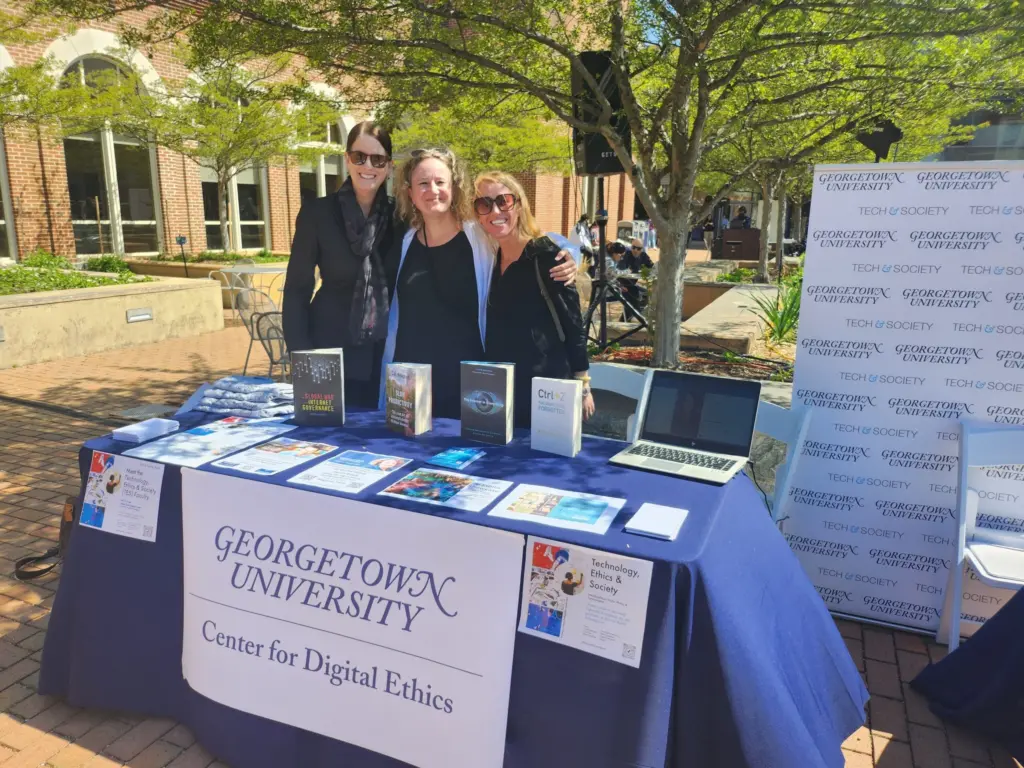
[{"x": 741, "y": 663}]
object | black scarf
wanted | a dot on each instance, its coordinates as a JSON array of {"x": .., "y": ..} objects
[{"x": 369, "y": 314}]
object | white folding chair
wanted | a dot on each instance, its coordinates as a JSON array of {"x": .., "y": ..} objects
[
  {"x": 789, "y": 427},
  {"x": 997, "y": 557},
  {"x": 608, "y": 377}
]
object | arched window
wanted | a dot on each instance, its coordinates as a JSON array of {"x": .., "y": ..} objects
[{"x": 114, "y": 203}]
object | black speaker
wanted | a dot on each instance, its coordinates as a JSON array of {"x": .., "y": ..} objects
[{"x": 593, "y": 155}]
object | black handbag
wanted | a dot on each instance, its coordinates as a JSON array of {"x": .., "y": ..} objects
[{"x": 34, "y": 566}]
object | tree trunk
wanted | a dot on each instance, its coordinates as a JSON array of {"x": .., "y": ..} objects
[
  {"x": 780, "y": 229},
  {"x": 668, "y": 312},
  {"x": 222, "y": 211},
  {"x": 798, "y": 218},
  {"x": 766, "y": 218}
]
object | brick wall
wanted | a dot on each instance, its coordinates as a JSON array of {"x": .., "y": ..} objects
[
  {"x": 181, "y": 197},
  {"x": 38, "y": 176},
  {"x": 284, "y": 202}
]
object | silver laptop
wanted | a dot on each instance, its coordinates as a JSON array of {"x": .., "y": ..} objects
[{"x": 694, "y": 426}]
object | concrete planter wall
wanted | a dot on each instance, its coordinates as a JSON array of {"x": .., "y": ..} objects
[
  {"x": 202, "y": 270},
  {"x": 51, "y": 325}
]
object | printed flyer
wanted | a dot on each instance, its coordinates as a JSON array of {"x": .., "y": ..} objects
[
  {"x": 122, "y": 496},
  {"x": 456, "y": 458},
  {"x": 448, "y": 489},
  {"x": 275, "y": 456},
  {"x": 562, "y": 509},
  {"x": 350, "y": 472},
  {"x": 211, "y": 441},
  {"x": 589, "y": 600}
]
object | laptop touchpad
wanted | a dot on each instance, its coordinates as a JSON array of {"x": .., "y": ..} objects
[{"x": 665, "y": 466}]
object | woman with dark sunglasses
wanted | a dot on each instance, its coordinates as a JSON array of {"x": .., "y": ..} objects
[
  {"x": 532, "y": 320},
  {"x": 347, "y": 236}
]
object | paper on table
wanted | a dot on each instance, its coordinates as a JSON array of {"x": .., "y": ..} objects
[
  {"x": 350, "y": 472},
  {"x": 210, "y": 441},
  {"x": 586, "y": 599},
  {"x": 456, "y": 458},
  {"x": 122, "y": 496},
  {"x": 448, "y": 489},
  {"x": 657, "y": 521},
  {"x": 562, "y": 509},
  {"x": 275, "y": 456}
]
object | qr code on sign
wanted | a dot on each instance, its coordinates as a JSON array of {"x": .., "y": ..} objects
[
  {"x": 628, "y": 651},
  {"x": 147, "y": 531}
]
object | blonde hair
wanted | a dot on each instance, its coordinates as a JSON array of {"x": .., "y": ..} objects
[
  {"x": 461, "y": 205},
  {"x": 526, "y": 225}
]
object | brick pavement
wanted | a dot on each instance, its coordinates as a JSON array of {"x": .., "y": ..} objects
[{"x": 38, "y": 467}]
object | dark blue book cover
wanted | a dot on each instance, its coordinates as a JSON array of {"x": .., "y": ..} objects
[
  {"x": 487, "y": 406},
  {"x": 318, "y": 381}
]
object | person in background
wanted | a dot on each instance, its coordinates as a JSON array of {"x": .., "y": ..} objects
[
  {"x": 637, "y": 258},
  {"x": 445, "y": 264},
  {"x": 709, "y": 233},
  {"x": 346, "y": 236},
  {"x": 740, "y": 220},
  {"x": 532, "y": 320}
]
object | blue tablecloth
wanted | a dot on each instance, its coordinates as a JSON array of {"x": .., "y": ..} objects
[
  {"x": 980, "y": 686},
  {"x": 741, "y": 665}
]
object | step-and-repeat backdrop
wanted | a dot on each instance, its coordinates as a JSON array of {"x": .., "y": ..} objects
[{"x": 912, "y": 317}]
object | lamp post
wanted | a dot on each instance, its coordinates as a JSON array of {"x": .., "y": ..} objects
[{"x": 181, "y": 240}]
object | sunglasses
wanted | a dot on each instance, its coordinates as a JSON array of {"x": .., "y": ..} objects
[
  {"x": 636, "y": 247},
  {"x": 359, "y": 158},
  {"x": 484, "y": 205}
]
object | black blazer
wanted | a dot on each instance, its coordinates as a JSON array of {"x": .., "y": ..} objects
[{"x": 320, "y": 242}]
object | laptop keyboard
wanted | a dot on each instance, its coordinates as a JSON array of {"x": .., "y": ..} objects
[{"x": 681, "y": 457}]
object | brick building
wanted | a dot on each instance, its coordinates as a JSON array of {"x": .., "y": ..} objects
[{"x": 104, "y": 193}]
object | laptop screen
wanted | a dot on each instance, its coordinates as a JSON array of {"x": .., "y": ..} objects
[{"x": 707, "y": 413}]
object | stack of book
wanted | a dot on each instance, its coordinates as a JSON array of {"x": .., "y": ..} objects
[
  {"x": 407, "y": 398},
  {"x": 556, "y": 416},
  {"x": 318, "y": 381},
  {"x": 487, "y": 402}
]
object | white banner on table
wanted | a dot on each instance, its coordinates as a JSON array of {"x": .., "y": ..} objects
[
  {"x": 380, "y": 627},
  {"x": 912, "y": 317},
  {"x": 122, "y": 496},
  {"x": 586, "y": 599}
]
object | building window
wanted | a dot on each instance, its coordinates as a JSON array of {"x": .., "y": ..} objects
[
  {"x": 251, "y": 210},
  {"x": 211, "y": 211},
  {"x": 8, "y": 241},
  {"x": 328, "y": 172},
  {"x": 114, "y": 206},
  {"x": 307, "y": 182},
  {"x": 334, "y": 172}
]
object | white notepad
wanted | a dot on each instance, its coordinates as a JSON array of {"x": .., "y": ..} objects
[
  {"x": 657, "y": 521},
  {"x": 142, "y": 431}
]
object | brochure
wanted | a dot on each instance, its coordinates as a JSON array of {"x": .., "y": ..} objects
[
  {"x": 562, "y": 509},
  {"x": 211, "y": 441},
  {"x": 586, "y": 599},
  {"x": 557, "y": 415},
  {"x": 350, "y": 472},
  {"x": 275, "y": 456},
  {"x": 448, "y": 489},
  {"x": 456, "y": 458},
  {"x": 122, "y": 496}
]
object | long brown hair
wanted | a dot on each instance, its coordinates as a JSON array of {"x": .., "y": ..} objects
[
  {"x": 369, "y": 128},
  {"x": 461, "y": 205},
  {"x": 526, "y": 225}
]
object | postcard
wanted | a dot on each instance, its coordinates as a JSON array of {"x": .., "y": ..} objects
[
  {"x": 448, "y": 489},
  {"x": 122, "y": 496},
  {"x": 350, "y": 471},
  {"x": 274, "y": 457},
  {"x": 456, "y": 458}
]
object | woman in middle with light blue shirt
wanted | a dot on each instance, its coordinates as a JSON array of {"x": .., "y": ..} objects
[{"x": 439, "y": 311}]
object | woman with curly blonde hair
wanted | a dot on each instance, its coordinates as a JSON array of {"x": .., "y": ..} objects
[{"x": 439, "y": 311}]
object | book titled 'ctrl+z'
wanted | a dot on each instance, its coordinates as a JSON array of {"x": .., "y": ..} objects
[{"x": 318, "y": 383}]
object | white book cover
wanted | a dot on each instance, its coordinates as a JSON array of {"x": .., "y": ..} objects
[
  {"x": 556, "y": 415},
  {"x": 408, "y": 399}
]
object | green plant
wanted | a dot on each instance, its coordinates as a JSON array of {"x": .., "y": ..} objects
[
  {"x": 780, "y": 313},
  {"x": 740, "y": 275},
  {"x": 42, "y": 259},
  {"x": 107, "y": 263},
  {"x": 23, "y": 279},
  {"x": 782, "y": 374}
]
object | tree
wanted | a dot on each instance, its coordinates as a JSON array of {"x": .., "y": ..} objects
[
  {"x": 692, "y": 75},
  {"x": 225, "y": 117},
  {"x": 489, "y": 140}
]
